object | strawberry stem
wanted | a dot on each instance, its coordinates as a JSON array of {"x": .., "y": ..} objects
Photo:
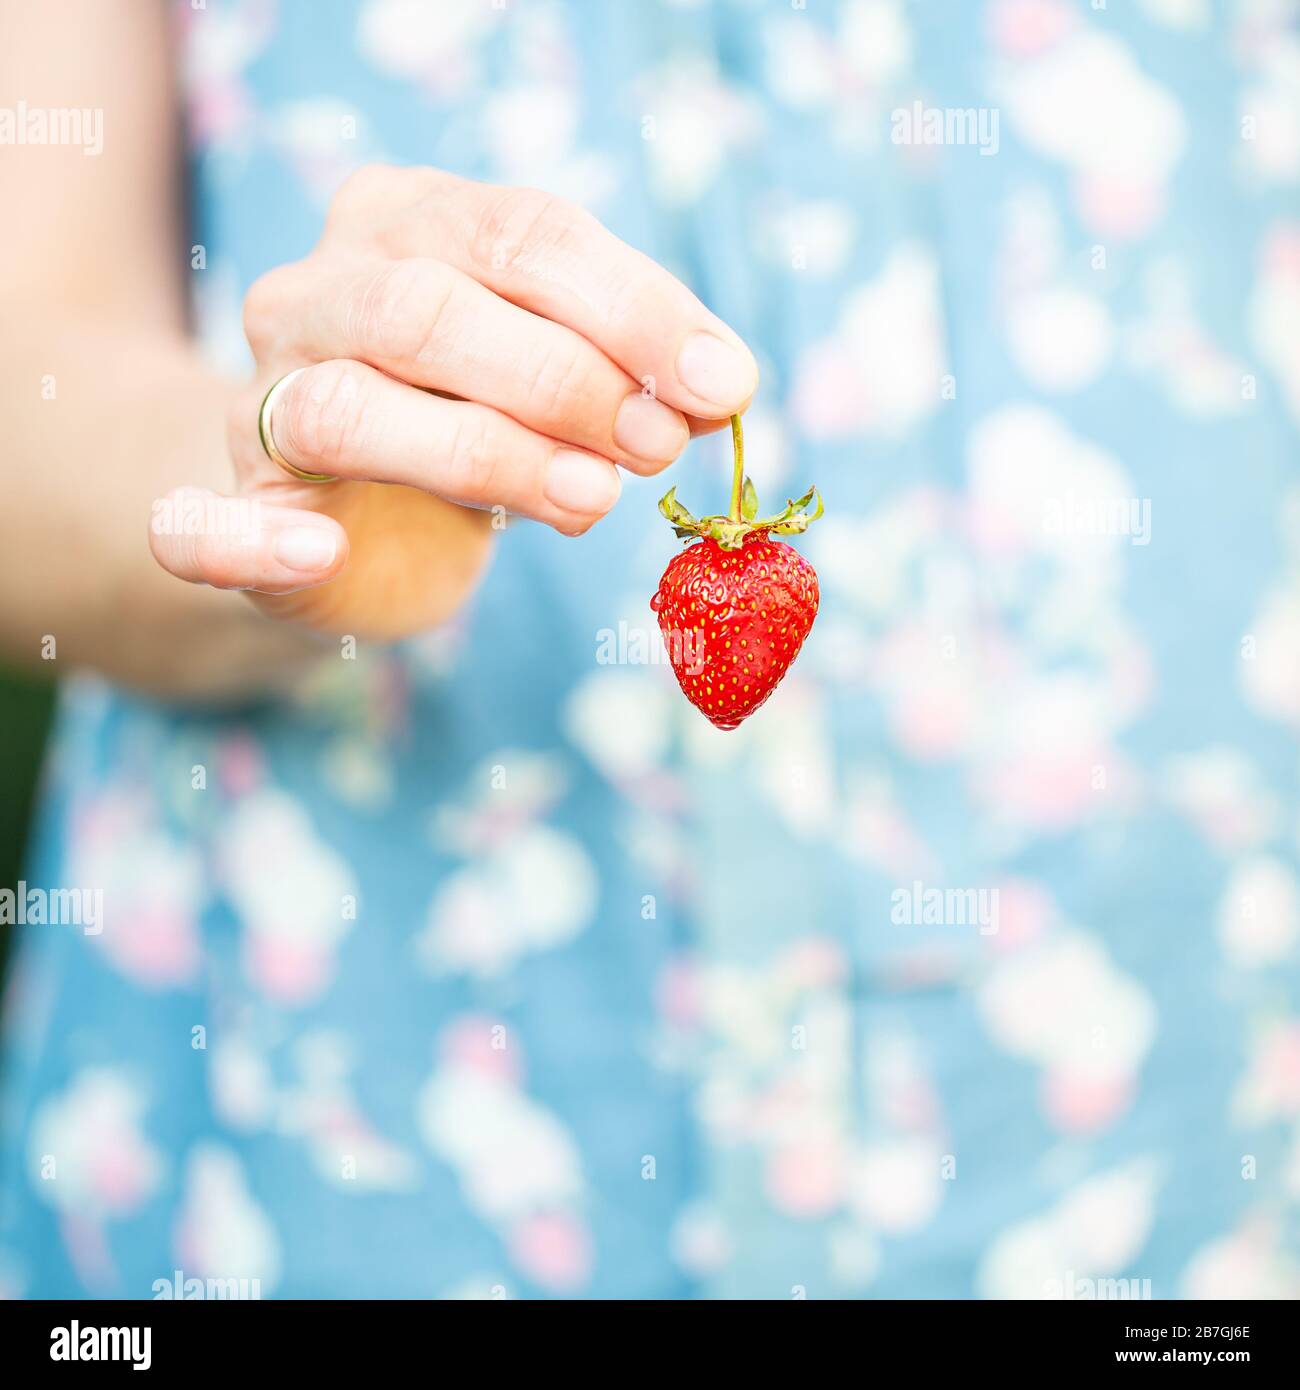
[
  {"x": 743, "y": 520},
  {"x": 738, "y": 469}
]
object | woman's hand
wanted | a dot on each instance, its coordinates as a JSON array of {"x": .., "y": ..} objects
[{"x": 560, "y": 353}]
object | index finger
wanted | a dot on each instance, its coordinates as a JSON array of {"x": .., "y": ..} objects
[{"x": 554, "y": 258}]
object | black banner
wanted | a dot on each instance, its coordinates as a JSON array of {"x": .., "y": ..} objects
[{"x": 168, "y": 1337}]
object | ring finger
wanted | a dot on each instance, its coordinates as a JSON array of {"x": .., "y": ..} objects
[{"x": 347, "y": 419}]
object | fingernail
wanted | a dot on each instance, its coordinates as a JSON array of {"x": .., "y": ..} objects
[
  {"x": 715, "y": 371},
  {"x": 581, "y": 482},
  {"x": 305, "y": 547},
  {"x": 649, "y": 429}
]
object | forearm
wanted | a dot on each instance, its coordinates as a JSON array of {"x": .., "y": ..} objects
[
  {"x": 102, "y": 419},
  {"x": 106, "y": 405}
]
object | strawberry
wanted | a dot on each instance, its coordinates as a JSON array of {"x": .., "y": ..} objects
[{"x": 735, "y": 606}]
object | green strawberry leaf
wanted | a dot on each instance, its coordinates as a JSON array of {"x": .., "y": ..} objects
[
  {"x": 749, "y": 500},
  {"x": 673, "y": 511},
  {"x": 730, "y": 535},
  {"x": 793, "y": 519}
]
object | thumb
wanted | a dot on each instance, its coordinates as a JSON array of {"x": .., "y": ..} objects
[{"x": 244, "y": 542}]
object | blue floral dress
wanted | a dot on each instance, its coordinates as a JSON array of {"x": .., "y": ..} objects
[{"x": 484, "y": 966}]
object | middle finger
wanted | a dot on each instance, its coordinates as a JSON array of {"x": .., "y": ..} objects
[{"x": 433, "y": 326}]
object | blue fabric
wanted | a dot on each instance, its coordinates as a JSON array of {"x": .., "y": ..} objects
[{"x": 630, "y": 1007}]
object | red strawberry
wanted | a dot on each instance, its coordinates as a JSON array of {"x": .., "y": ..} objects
[
  {"x": 735, "y": 608},
  {"x": 733, "y": 622}
]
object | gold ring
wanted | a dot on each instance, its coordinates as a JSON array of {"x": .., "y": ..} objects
[{"x": 265, "y": 434}]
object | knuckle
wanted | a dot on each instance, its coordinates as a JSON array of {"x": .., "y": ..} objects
[
  {"x": 474, "y": 457},
  {"x": 324, "y": 418},
  {"x": 518, "y": 224},
  {"x": 633, "y": 300},
  {"x": 264, "y": 308},
  {"x": 423, "y": 181},
  {"x": 556, "y": 388},
  {"x": 401, "y": 311},
  {"x": 356, "y": 196},
  {"x": 367, "y": 201},
  {"x": 419, "y": 206}
]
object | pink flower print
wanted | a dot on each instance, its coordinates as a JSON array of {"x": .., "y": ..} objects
[
  {"x": 1023, "y": 28},
  {"x": 1081, "y": 1104},
  {"x": 806, "y": 1179},
  {"x": 553, "y": 1249}
]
